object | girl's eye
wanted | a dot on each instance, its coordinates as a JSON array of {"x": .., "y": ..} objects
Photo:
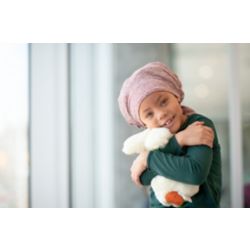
[
  {"x": 149, "y": 115},
  {"x": 163, "y": 102}
]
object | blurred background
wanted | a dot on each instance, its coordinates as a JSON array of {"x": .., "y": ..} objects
[{"x": 61, "y": 131}]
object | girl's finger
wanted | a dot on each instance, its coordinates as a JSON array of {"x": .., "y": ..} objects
[{"x": 198, "y": 123}]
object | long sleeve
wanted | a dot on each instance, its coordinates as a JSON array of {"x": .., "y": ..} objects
[
  {"x": 147, "y": 176},
  {"x": 198, "y": 165},
  {"x": 172, "y": 148},
  {"x": 192, "y": 168}
]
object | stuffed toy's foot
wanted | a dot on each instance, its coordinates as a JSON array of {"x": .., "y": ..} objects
[{"x": 174, "y": 198}]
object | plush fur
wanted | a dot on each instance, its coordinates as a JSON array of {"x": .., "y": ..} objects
[{"x": 152, "y": 139}]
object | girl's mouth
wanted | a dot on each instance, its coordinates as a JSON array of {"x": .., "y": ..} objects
[{"x": 169, "y": 123}]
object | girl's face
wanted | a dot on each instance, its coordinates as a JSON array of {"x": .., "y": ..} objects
[{"x": 162, "y": 109}]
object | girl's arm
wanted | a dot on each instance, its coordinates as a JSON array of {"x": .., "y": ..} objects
[
  {"x": 194, "y": 134},
  {"x": 139, "y": 165},
  {"x": 192, "y": 167}
]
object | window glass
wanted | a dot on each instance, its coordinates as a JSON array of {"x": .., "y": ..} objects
[
  {"x": 203, "y": 70},
  {"x": 244, "y": 74},
  {"x": 13, "y": 125}
]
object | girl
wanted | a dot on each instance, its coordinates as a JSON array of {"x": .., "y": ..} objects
[{"x": 151, "y": 97}]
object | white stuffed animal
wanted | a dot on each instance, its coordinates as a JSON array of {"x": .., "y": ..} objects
[{"x": 167, "y": 191}]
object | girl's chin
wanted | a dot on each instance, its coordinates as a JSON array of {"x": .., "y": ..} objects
[{"x": 174, "y": 129}]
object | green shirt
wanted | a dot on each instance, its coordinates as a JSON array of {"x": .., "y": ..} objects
[{"x": 198, "y": 165}]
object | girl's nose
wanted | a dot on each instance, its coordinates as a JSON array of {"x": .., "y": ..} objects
[{"x": 161, "y": 116}]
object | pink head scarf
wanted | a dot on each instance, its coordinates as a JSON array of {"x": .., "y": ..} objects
[{"x": 152, "y": 77}]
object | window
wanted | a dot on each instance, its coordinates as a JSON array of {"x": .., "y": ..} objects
[
  {"x": 14, "y": 125},
  {"x": 244, "y": 75},
  {"x": 77, "y": 130},
  {"x": 203, "y": 70}
]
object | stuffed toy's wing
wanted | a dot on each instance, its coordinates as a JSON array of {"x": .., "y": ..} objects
[
  {"x": 135, "y": 143},
  {"x": 157, "y": 138}
]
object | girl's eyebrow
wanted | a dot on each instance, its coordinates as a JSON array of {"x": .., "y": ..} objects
[{"x": 158, "y": 99}]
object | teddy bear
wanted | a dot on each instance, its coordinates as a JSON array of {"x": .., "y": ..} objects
[{"x": 168, "y": 192}]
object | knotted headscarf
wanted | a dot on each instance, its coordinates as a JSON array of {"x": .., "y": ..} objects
[{"x": 152, "y": 77}]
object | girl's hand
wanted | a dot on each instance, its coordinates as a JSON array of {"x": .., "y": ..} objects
[
  {"x": 138, "y": 166},
  {"x": 196, "y": 134}
]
